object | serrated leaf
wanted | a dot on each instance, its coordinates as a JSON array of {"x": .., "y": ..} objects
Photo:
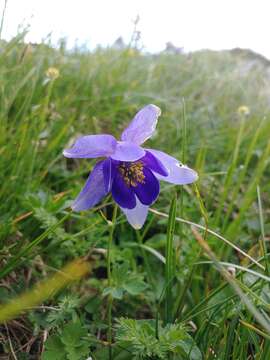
[
  {"x": 72, "y": 334},
  {"x": 54, "y": 349},
  {"x": 78, "y": 353}
]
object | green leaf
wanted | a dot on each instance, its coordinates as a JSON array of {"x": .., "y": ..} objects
[
  {"x": 115, "y": 292},
  {"x": 78, "y": 353},
  {"x": 72, "y": 334},
  {"x": 54, "y": 349},
  {"x": 191, "y": 349},
  {"x": 135, "y": 286}
]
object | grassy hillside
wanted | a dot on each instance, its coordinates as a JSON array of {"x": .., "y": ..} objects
[{"x": 224, "y": 99}]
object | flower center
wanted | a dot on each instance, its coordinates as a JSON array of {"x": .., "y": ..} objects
[{"x": 132, "y": 173}]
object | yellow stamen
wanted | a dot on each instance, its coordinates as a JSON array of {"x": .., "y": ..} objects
[{"x": 132, "y": 173}]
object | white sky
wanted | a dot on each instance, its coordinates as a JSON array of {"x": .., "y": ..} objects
[{"x": 194, "y": 24}]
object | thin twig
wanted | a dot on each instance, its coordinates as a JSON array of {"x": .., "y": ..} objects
[{"x": 10, "y": 343}]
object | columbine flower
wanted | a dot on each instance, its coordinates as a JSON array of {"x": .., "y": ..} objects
[{"x": 129, "y": 172}]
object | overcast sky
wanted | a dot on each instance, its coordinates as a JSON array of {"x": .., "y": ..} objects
[{"x": 193, "y": 24}]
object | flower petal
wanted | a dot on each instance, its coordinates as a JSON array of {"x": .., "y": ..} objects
[
  {"x": 178, "y": 174},
  {"x": 109, "y": 173},
  {"x": 122, "y": 194},
  {"x": 148, "y": 191},
  {"x": 154, "y": 164},
  {"x": 143, "y": 125},
  {"x": 127, "y": 151},
  {"x": 92, "y": 146},
  {"x": 93, "y": 191},
  {"x": 136, "y": 216}
]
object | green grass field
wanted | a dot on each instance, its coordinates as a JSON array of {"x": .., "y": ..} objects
[{"x": 211, "y": 300}]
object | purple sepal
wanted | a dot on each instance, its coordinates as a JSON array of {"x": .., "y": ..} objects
[
  {"x": 136, "y": 216},
  {"x": 142, "y": 126},
  {"x": 92, "y": 146},
  {"x": 108, "y": 172},
  {"x": 178, "y": 174},
  {"x": 93, "y": 190},
  {"x": 127, "y": 151}
]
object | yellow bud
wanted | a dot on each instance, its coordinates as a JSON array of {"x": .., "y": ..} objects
[
  {"x": 52, "y": 73},
  {"x": 243, "y": 110}
]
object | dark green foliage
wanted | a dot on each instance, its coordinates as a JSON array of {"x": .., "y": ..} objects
[
  {"x": 139, "y": 337},
  {"x": 71, "y": 343}
]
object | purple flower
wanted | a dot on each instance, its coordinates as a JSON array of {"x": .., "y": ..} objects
[{"x": 130, "y": 172}]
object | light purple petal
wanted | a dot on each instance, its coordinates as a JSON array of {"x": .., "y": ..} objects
[
  {"x": 178, "y": 174},
  {"x": 143, "y": 125},
  {"x": 93, "y": 191},
  {"x": 109, "y": 172},
  {"x": 137, "y": 216},
  {"x": 92, "y": 146},
  {"x": 127, "y": 151}
]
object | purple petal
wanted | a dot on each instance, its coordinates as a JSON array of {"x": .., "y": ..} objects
[
  {"x": 92, "y": 146},
  {"x": 154, "y": 164},
  {"x": 143, "y": 125},
  {"x": 93, "y": 191},
  {"x": 148, "y": 191},
  {"x": 122, "y": 194},
  {"x": 127, "y": 151},
  {"x": 178, "y": 174},
  {"x": 137, "y": 216},
  {"x": 109, "y": 173}
]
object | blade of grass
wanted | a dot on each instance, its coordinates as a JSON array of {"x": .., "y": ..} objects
[
  {"x": 198, "y": 226},
  {"x": 170, "y": 263},
  {"x": 230, "y": 337},
  {"x": 226, "y": 275},
  {"x": 262, "y": 240},
  {"x": 19, "y": 258},
  {"x": 250, "y": 191},
  {"x": 242, "y": 268},
  {"x": 242, "y": 174},
  {"x": 254, "y": 328},
  {"x": 183, "y": 158},
  {"x": 232, "y": 167}
]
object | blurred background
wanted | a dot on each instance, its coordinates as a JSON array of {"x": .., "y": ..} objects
[{"x": 188, "y": 24}]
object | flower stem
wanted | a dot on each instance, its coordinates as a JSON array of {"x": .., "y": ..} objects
[
  {"x": 109, "y": 275},
  {"x": 145, "y": 258}
]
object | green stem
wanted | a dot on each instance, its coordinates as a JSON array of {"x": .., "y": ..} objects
[
  {"x": 40, "y": 127},
  {"x": 183, "y": 158},
  {"x": 184, "y": 132},
  {"x": 145, "y": 258},
  {"x": 109, "y": 275}
]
